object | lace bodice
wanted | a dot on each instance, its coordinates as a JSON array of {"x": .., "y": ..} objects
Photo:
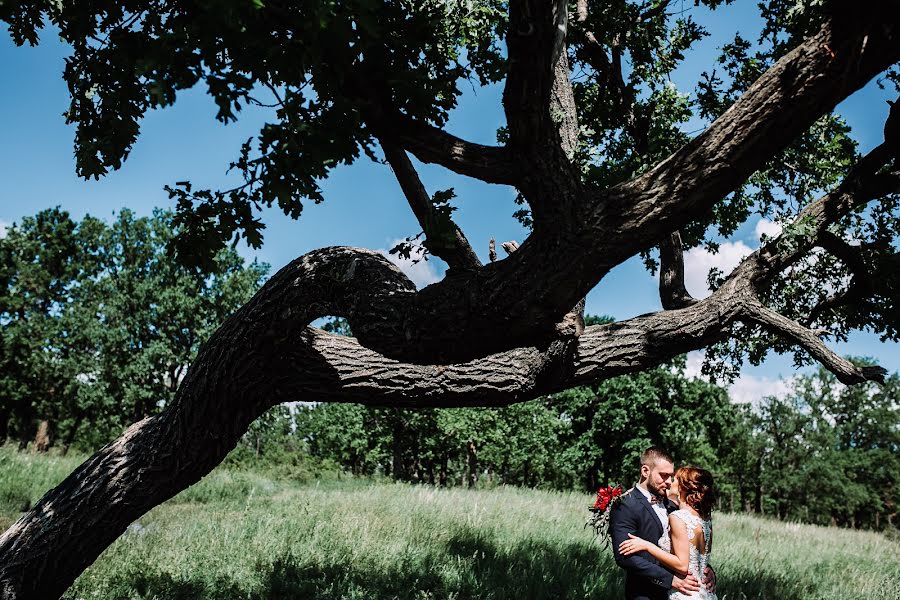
[{"x": 697, "y": 560}]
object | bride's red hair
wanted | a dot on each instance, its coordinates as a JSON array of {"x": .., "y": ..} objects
[{"x": 696, "y": 485}]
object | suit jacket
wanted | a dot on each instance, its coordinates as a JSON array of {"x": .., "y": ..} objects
[{"x": 645, "y": 578}]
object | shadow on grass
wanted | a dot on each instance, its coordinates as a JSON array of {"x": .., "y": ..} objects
[{"x": 471, "y": 566}]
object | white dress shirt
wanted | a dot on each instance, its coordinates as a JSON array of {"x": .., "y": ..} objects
[{"x": 660, "y": 509}]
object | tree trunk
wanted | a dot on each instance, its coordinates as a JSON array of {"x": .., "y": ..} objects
[
  {"x": 396, "y": 449},
  {"x": 4, "y": 426},
  {"x": 443, "y": 469},
  {"x": 42, "y": 437},
  {"x": 71, "y": 433},
  {"x": 472, "y": 463}
]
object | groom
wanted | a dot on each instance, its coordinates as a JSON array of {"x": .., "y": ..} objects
[{"x": 644, "y": 511}]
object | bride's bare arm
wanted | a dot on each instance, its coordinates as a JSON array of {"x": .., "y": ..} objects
[{"x": 678, "y": 561}]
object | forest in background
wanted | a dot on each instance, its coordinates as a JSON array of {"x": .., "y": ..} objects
[{"x": 98, "y": 326}]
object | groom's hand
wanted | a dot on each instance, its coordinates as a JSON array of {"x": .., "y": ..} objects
[
  {"x": 709, "y": 579},
  {"x": 688, "y": 585}
]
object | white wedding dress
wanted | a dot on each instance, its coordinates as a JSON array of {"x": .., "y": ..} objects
[{"x": 698, "y": 560}]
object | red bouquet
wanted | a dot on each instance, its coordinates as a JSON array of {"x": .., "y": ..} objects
[
  {"x": 600, "y": 511},
  {"x": 605, "y": 495}
]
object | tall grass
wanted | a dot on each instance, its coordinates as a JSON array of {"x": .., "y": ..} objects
[
  {"x": 25, "y": 477},
  {"x": 244, "y": 536}
]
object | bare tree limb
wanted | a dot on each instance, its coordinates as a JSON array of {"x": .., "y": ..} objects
[
  {"x": 510, "y": 246},
  {"x": 846, "y": 371},
  {"x": 672, "y": 292},
  {"x": 444, "y": 238}
]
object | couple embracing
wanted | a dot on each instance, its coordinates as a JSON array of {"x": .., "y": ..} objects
[{"x": 661, "y": 531}]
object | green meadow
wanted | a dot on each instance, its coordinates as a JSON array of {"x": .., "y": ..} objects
[{"x": 239, "y": 534}]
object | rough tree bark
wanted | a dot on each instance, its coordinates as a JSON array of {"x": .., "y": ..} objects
[{"x": 487, "y": 335}]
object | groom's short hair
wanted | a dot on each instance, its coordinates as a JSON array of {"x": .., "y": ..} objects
[{"x": 654, "y": 454}]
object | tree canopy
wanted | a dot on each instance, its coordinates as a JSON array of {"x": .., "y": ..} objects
[
  {"x": 99, "y": 324},
  {"x": 595, "y": 147}
]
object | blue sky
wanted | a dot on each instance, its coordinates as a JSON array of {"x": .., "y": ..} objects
[{"x": 364, "y": 205}]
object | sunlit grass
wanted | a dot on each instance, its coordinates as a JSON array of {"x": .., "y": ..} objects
[{"x": 240, "y": 535}]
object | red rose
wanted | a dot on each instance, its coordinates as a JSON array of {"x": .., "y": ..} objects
[{"x": 605, "y": 495}]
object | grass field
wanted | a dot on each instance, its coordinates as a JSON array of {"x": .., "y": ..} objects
[{"x": 241, "y": 535}]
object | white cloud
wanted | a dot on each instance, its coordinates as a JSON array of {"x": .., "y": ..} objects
[
  {"x": 694, "y": 363},
  {"x": 768, "y": 228},
  {"x": 752, "y": 389},
  {"x": 3, "y": 226},
  {"x": 698, "y": 261},
  {"x": 421, "y": 273},
  {"x": 746, "y": 388}
]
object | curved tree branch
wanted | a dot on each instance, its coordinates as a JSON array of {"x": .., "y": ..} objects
[
  {"x": 456, "y": 319},
  {"x": 239, "y": 373}
]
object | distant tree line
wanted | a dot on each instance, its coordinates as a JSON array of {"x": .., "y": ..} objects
[{"x": 98, "y": 325}]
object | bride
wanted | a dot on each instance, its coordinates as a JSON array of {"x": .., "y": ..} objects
[{"x": 690, "y": 527}]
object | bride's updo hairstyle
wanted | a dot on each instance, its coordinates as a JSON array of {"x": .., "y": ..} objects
[{"x": 696, "y": 485}]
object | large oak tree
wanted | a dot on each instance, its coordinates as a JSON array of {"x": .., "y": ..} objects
[{"x": 595, "y": 146}]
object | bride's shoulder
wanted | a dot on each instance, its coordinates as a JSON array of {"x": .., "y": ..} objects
[{"x": 685, "y": 515}]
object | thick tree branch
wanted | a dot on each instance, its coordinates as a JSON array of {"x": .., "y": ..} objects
[
  {"x": 851, "y": 48},
  {"x": 562, "y": 106},
  {"x": 672, "y": 292},
  {"x": 540, "y": 113},
  {"x": 526, "y": 97},
  {"x": 444, "y": 238}
]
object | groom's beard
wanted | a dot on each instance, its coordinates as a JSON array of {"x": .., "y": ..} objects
[{"x": 655, "y": 490}]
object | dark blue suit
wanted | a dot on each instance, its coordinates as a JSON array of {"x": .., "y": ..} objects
[{"x": 645, "y": 578}]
